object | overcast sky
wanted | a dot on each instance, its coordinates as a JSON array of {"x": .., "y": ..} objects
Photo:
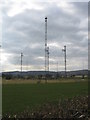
[{"x": 23, "y": 30}]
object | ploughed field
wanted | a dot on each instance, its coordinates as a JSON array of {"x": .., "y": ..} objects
[{"x": 18, "y": 97}]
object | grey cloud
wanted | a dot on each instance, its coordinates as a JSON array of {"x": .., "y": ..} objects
[
  {"x": 25, "y": 29},
  {"x": 82, "y": 8}
]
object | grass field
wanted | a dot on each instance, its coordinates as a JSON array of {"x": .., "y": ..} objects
[{"x": 18, "y": 97}]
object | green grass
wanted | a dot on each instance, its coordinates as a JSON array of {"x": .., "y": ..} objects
[{"x": 17, "y": 97}]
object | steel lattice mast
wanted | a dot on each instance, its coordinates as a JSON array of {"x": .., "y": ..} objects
[
  {"x": 48, "y": 59},
  {"x": 45, "y": 44},
  {"x": 45, "y": 48},
  {"x": 21, "y": 62},
  {"x": 46, "y": 51},
  {"x": 64, "y": 50}
]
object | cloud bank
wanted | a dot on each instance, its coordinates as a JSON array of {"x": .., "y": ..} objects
[{"x": 23, "y": 30}]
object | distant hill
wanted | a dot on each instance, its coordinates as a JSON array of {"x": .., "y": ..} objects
[{"x": 33, "y": 73}]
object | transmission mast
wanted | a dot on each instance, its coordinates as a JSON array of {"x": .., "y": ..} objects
[
  {"x": 46, "y": 52},
  {"x": 21, "y": 62},
  {"x": 57, "y": 70},
  {"x": 45, "y": 47},
  {"x": 45, "y": 44},
  {"x": 64, "y": 50},
  {"x": 48, "y": 59}
]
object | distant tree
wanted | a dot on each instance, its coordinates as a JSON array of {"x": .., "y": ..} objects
[
  {"x": 72, "y": 75},
  {"x": 8, "y": 76},
  {"x": 83, "y": 76},
  {"x": 39, "y": 77}
]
